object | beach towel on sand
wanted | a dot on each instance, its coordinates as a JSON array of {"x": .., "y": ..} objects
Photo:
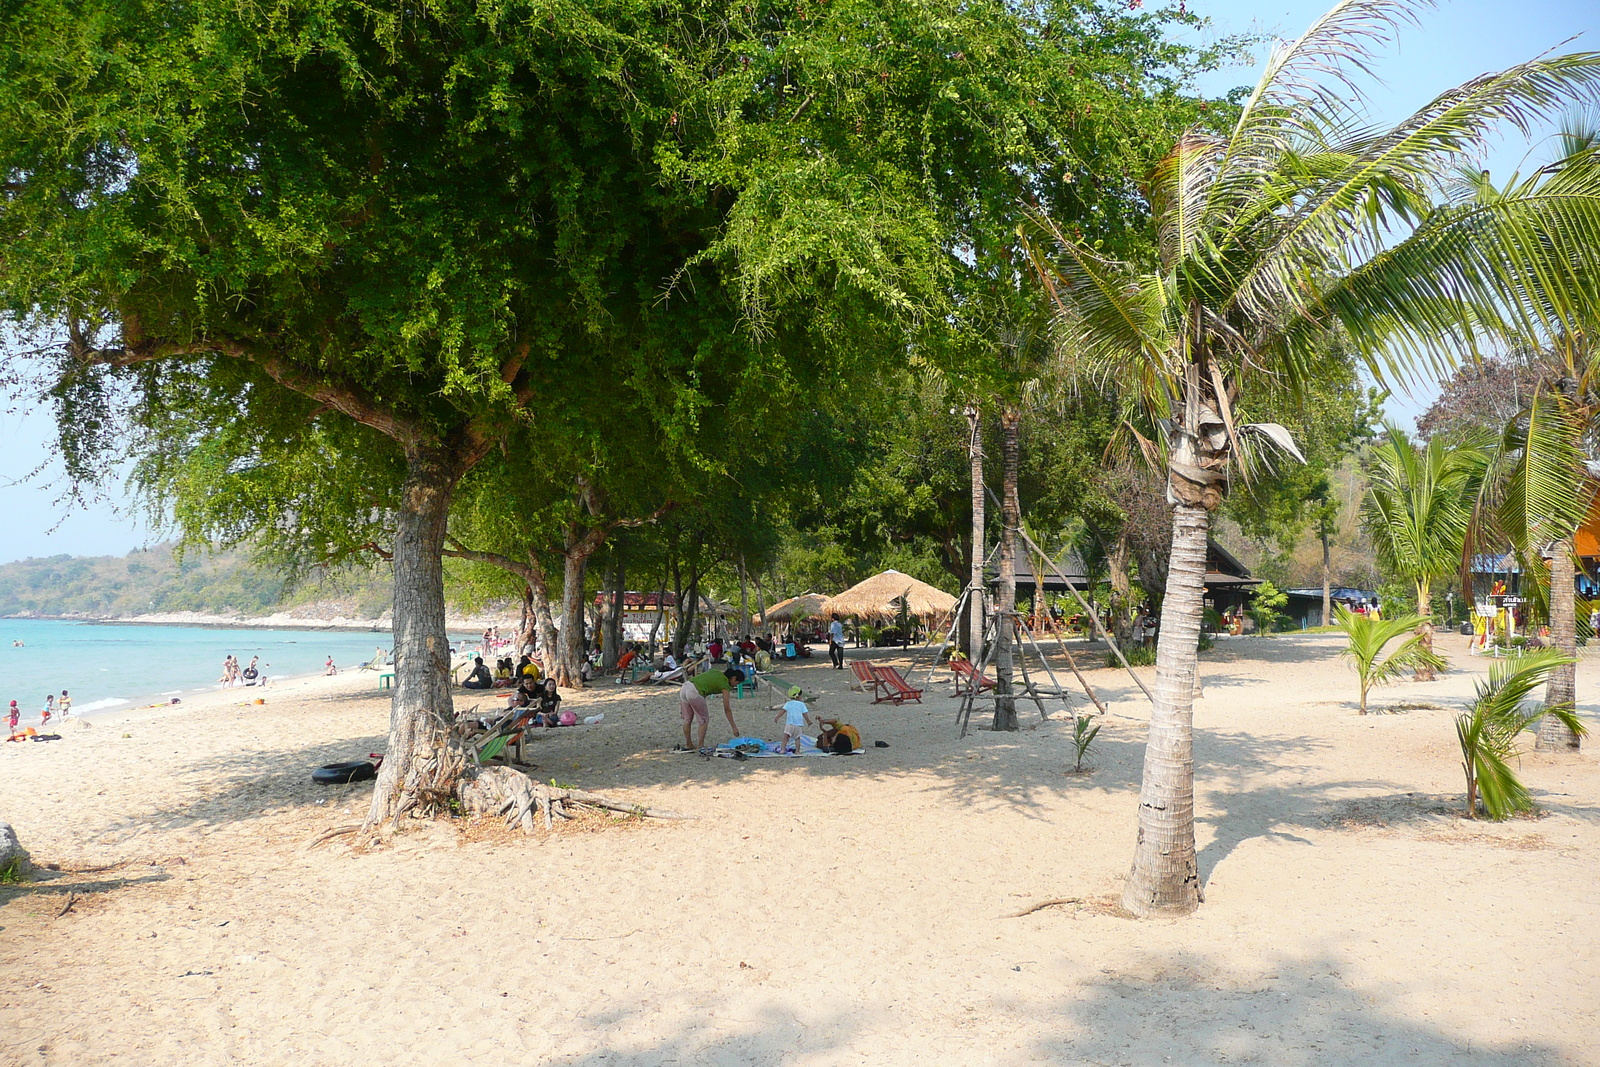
[{"x": 756, "y": 748}]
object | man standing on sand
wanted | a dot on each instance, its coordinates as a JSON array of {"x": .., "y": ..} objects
[
  {"x": 836, "y": 643},
  {"x": 692, "y": 704}
]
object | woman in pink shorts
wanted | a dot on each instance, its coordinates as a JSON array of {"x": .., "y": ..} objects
[{"x": 692, "y": 704}]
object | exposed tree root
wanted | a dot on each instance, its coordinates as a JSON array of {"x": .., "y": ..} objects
[
  {"x": 327, "y": 835},
  {"x": 448, "y": 779},
  {"x": 523, "y": 802},
  {"x": 1043, "y": 904}
]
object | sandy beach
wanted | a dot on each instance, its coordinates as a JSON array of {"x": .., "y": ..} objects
[{"x": 847, "y": 910}]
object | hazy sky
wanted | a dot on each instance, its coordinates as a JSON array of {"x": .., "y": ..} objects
[{"x": 1452, "y": 44}]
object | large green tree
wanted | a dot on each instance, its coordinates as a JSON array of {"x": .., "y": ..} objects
[
  {"x": 425, "y": 223},
  {"x": 1300, "y": 220},
  {"x": 426, "y": 226}
]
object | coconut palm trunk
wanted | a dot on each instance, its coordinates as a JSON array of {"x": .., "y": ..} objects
[
  {"x": 1561, "y": 687},
  {"x": 1005, "y": 700},
  {"x": 1424, "y": 672},
  {"x": 1327, "y": 575},
  {"x": 1165, "y": 879}
]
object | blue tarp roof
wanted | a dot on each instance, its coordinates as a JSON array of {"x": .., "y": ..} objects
[{"x": 1338, "y": 592}]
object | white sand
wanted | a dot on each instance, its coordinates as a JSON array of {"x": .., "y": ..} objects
[{"x": 819, "y": 911}]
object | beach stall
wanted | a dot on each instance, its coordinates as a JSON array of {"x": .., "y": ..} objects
[
  {"x": 785, "y": 612},
  {"x": 893, "y": 598}
]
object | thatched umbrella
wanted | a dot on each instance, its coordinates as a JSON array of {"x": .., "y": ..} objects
[
  {"x": 882, "y": 597},
  {"x": 794, "y": 607}
]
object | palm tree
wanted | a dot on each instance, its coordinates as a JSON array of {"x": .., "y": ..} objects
[
  {"x": 1539, "y": 492},
  {"x": 1543, "y": 483},
  {"x": 1300, "y": 221},
  {"x": 1368, "y": 636},
  {"x": 1418, "y": 507},
  {"x": 1489, "y": 729}
]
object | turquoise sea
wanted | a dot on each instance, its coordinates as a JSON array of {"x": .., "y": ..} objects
[{"x": 108, "y": 666}]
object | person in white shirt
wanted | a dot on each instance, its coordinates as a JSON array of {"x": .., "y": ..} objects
[
  {"x": 796, "y": 717},
  {"x": 836, "y": 643}
]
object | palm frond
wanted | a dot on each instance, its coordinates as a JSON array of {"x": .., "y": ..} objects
[
  {"x": 1307, "y": 79},
  {"x": 1488, "y": 731},
  {"x": 1367, "y": 640},
  {"x": 1419, "y": 504},
  {"x": 1543, "y": 479}
]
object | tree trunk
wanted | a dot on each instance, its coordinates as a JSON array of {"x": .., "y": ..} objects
[
  {"x": 1327, "y": 575},
  {"x": 1165, "y": 879},
  {"x": 761, "y": 601},
  {"x": 1424, "y": 673},
  {"x": 744, "y": 603},
  {"x": 677, "y": 603},
  {"x": 1121, "y": 589},
  {"x": 975, "y": 577},
  {"x": 1561, "y": 688},
  {"x": 661, "y": 612},
  {"x": 549, "y": 638},
  {"x": 1005, "y": 701},
  {"x": 613, "y": 628},
  {"x": 568, "y": 670},
  {"x": 422, "y": 705},
  {"x": 688, "y": 612},
  {"x": 527, "y": 629}
]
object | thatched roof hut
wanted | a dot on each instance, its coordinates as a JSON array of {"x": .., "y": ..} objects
[
  {"x": 795, "y": 606},
  {"x": 880, "y": 597}
]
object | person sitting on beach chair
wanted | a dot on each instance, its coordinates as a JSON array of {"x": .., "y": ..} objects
[{"x": 670, "y": 671}]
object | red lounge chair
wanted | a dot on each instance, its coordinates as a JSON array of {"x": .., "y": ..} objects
[
  {"x": 895, "y": 688},
  {"x": 967, "y": 677},
  {"x": 865, "y": 679}
]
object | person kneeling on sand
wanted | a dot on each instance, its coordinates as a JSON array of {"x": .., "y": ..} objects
[
  {"x": 692, "y": 703},
  {"x": 838, "y": 738}
]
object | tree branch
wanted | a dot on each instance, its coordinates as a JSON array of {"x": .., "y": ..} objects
[{"x": 457, "y": 550}]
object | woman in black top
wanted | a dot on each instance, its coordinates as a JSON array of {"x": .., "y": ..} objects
[{"x": 549, "y": 703}]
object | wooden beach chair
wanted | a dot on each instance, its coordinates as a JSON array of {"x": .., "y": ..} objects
[
  {"x": 506, "y": 732},
  {"x": 865, "y": 679},
  {"x": 967, "y": 677},
  {"x": 896, "y": 689},
  {"x": 678, "y": 675}
]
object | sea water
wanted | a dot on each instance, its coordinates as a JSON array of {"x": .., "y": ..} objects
[{"x": 108, "y": 666}]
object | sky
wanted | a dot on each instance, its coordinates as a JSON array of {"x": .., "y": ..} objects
[{"x": 1452, "y": 43}]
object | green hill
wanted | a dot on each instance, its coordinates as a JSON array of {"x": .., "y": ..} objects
[{"x": 156, "y": 580}]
